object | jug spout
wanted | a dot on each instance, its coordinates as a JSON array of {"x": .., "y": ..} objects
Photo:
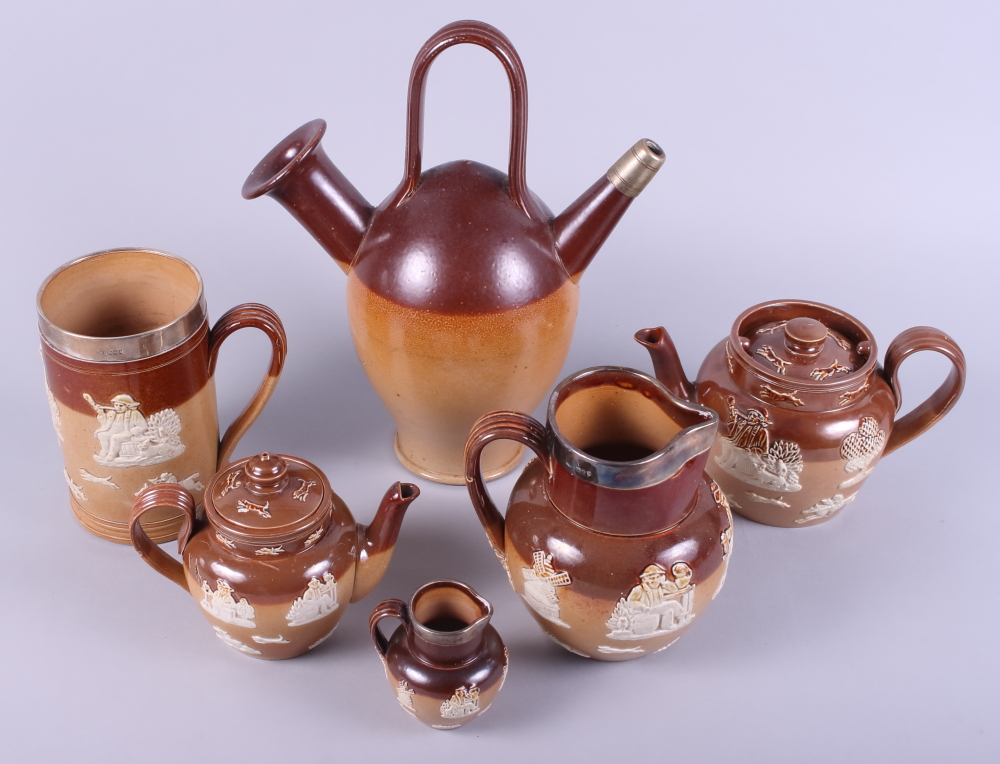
[
  {"x": 583, "y": 226},
  {"x": 377, "y": 541},
  {"x": 666, "y": 363},
  {"x": 301, "y": 177}
]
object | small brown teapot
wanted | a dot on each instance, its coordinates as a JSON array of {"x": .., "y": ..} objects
[
  {"x": 280, "y": 555},
  {"x": 808, "y": 411}
]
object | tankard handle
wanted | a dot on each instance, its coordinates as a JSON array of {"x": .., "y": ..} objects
[
  {"x": 499, "y": 425},
  {"x": 486, "y": 36},
  {"x": 163, "y": 496},
  {"x": 387, "y": 609},
  {"x": 263, "y": 318},
  {"x": 928, "y": 413}
]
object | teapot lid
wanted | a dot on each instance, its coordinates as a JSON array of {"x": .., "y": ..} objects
[
  {"x": 267, "y": 500},
  {"x": 805, "y": 343}
]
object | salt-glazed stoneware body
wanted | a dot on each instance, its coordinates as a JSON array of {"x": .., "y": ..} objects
[
  {"x": 279, "y": 556},
  {"x": 808, "y": 411},
  {"x": 614, "y": 537},
  {"x": 462, "y": 285},
  {"x": 445, "y": 663},
  {"x": 129, "y": 362}
]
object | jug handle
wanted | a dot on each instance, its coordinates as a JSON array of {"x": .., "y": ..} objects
[
  {"x": 928, "y": 413},
  {"x": 170, "y": 496},
  {"x": 265, "y": 319},
  {"x": 499, "y": 425},
  {"x": 387, "y": 609},
  {"x": 486, "y": 36}
]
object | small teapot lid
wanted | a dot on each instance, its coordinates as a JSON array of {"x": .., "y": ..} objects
[
  {"x": 267, "y": 500},
  {"x": 804, "y": 342}
]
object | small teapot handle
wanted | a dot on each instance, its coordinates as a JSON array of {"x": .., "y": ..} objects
[
  {"x": 928, "y": 413},
  {"x": 387, "y": 609},
  {"x": 499, "y": 425},
  {"x": 171, "y": 496},
  {"x": 486, "y": 36}
]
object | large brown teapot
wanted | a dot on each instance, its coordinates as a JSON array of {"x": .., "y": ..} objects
[
  {"x": 462, "y": 285},
  {"x": 808, "y": 411}
]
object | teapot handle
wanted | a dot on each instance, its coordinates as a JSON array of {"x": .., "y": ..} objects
[
  {"x": 499, "y": 425},
  {"x": 265, "y": 319},
  {"x": 486, "y": 36},
  {"x": 170, "y": 496},
  {"x": 940, "y": 402},
  {"x": 387, "y": 609}
]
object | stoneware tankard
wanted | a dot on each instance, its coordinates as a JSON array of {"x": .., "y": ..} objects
[
  {"x": 129, "y": 367},
  {"x": 615, "y": 538},
  {"x": 445, "y": 663},
  {"x": 278, "y": 556},
  {"x": 462, "y": 285},
  {"x": 808, "y": 410}
]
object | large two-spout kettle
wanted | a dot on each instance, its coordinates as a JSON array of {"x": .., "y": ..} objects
[{"x": 462, "y": 285}]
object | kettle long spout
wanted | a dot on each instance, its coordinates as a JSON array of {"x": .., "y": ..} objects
[
  {"x": 584, "y": 226},
  {"x": 300, "y": 176},
  {"x": 666, "y": 363},
  {"x": 377, "y": 541}
]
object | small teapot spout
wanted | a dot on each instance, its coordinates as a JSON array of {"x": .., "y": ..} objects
[
  {"x": 583, "y": 226},
  {"x": 377, "y": 541},
  {"x": 666, "y": 363},
  {"x": 301, "y": 177}
]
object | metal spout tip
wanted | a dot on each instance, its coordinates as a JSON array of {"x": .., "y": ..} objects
[{"x": 636, "y": 168}]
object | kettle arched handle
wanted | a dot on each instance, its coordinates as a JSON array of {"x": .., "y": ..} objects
[
  {"x": 486, "y": 36},
  {"x": 928, "y": 413},
  {"x": 387, "y": 609},
  {"x": 498, "y": 425},
  {"x": 160, "y": 496},
  {"x": 263, "y": 318}
]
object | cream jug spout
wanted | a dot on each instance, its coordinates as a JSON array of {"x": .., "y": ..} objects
[
  {"x": 583, "y": 226},
  {"x": 377, "y": 541},
  {"x": 666, "y": 363},
  {"x": 300, "y": 176}
]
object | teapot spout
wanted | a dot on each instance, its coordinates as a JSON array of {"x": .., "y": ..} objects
[
  {"x": 301, "y": 177},
  {"x": 666, "y": 363},
  {"x": 377, "y": 541},
  {"x": 583, "y": 226}
]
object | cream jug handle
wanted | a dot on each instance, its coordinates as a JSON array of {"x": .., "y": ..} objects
[
  {"x": 928, "y": 413},
  {"x": 387, "y": 609},
  {"x": 263, "y": 318},
  {"x": 499, "y": 425},
  {"x": 160, "y": 496}
]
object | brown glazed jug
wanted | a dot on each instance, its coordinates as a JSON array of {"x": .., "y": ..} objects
[
  {"x": 445, "y": 663},
  {"x": 462, "y": 285},
  {"x": 808, "y": 409},
  {"x": 279, "y": 555},
  {"x": 615, "y": 537}
]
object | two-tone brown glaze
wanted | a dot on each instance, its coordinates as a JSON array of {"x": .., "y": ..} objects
[
  {"x": 807, "y": 411},
  {"x": 445, "y": 662},
  {"x": 614, "y": 536},
  {"x": 129, "y": 362},
  {"x": 278, "y": 557},
  {"x": 462, "y": 285}
]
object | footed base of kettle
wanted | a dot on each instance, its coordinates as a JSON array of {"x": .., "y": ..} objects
[{"x": 448, "y": 478}]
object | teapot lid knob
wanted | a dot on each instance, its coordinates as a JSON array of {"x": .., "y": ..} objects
[
  {"x": 805, "y": 336},
  {"x": 266, "y": 474}
]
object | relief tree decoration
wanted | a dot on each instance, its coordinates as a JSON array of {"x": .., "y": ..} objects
[{"x": 861, "y": 448}]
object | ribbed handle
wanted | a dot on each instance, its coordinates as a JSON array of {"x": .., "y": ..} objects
[
  {"x": 387, "y": 609},
  {"x": 160, "y": 496}
]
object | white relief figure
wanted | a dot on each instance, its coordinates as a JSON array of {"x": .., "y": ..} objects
[
  {"x": 222, "y": 605},
  {"x": 227, "y": 543},
  {"x": 768, "y": 354},
  {"x": 232, "y": 482},
  {"x": 318, "y": 600},
  {"x": 766, "y": 500},
  {"x": 464, "y": 702},
  {"x": 90, "y": 478},
  {"x": 302, "y": 492},
  {"x": 233, "y": 642},
  {"x": 128, "y": 439},
  {"x": 825, "y": 508},
  {"x": 74, "y": 489},
  {"x": 656, "y": 606},
  {"x": 278, "y": 640},
  {"x": 191, "y": 482},
  {"x": 506, "y": 663},
  {"x": 540, "y": 582},
  {"x": 243, "y": 506},
  {"x": 612, "y": 650},
  {"x": 852, "y": 395},
  {"x": 860, "y": 449},
  {"x": 748, "y": 454},
  {"x": 315, "y": 536},
  {"x": 269, "y": 551},
  {"x": 54, "y": 410},
  {"x": 405, "y": 696}
]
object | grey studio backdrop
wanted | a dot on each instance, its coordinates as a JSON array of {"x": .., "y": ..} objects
[{"x": 839, "y": 152}]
